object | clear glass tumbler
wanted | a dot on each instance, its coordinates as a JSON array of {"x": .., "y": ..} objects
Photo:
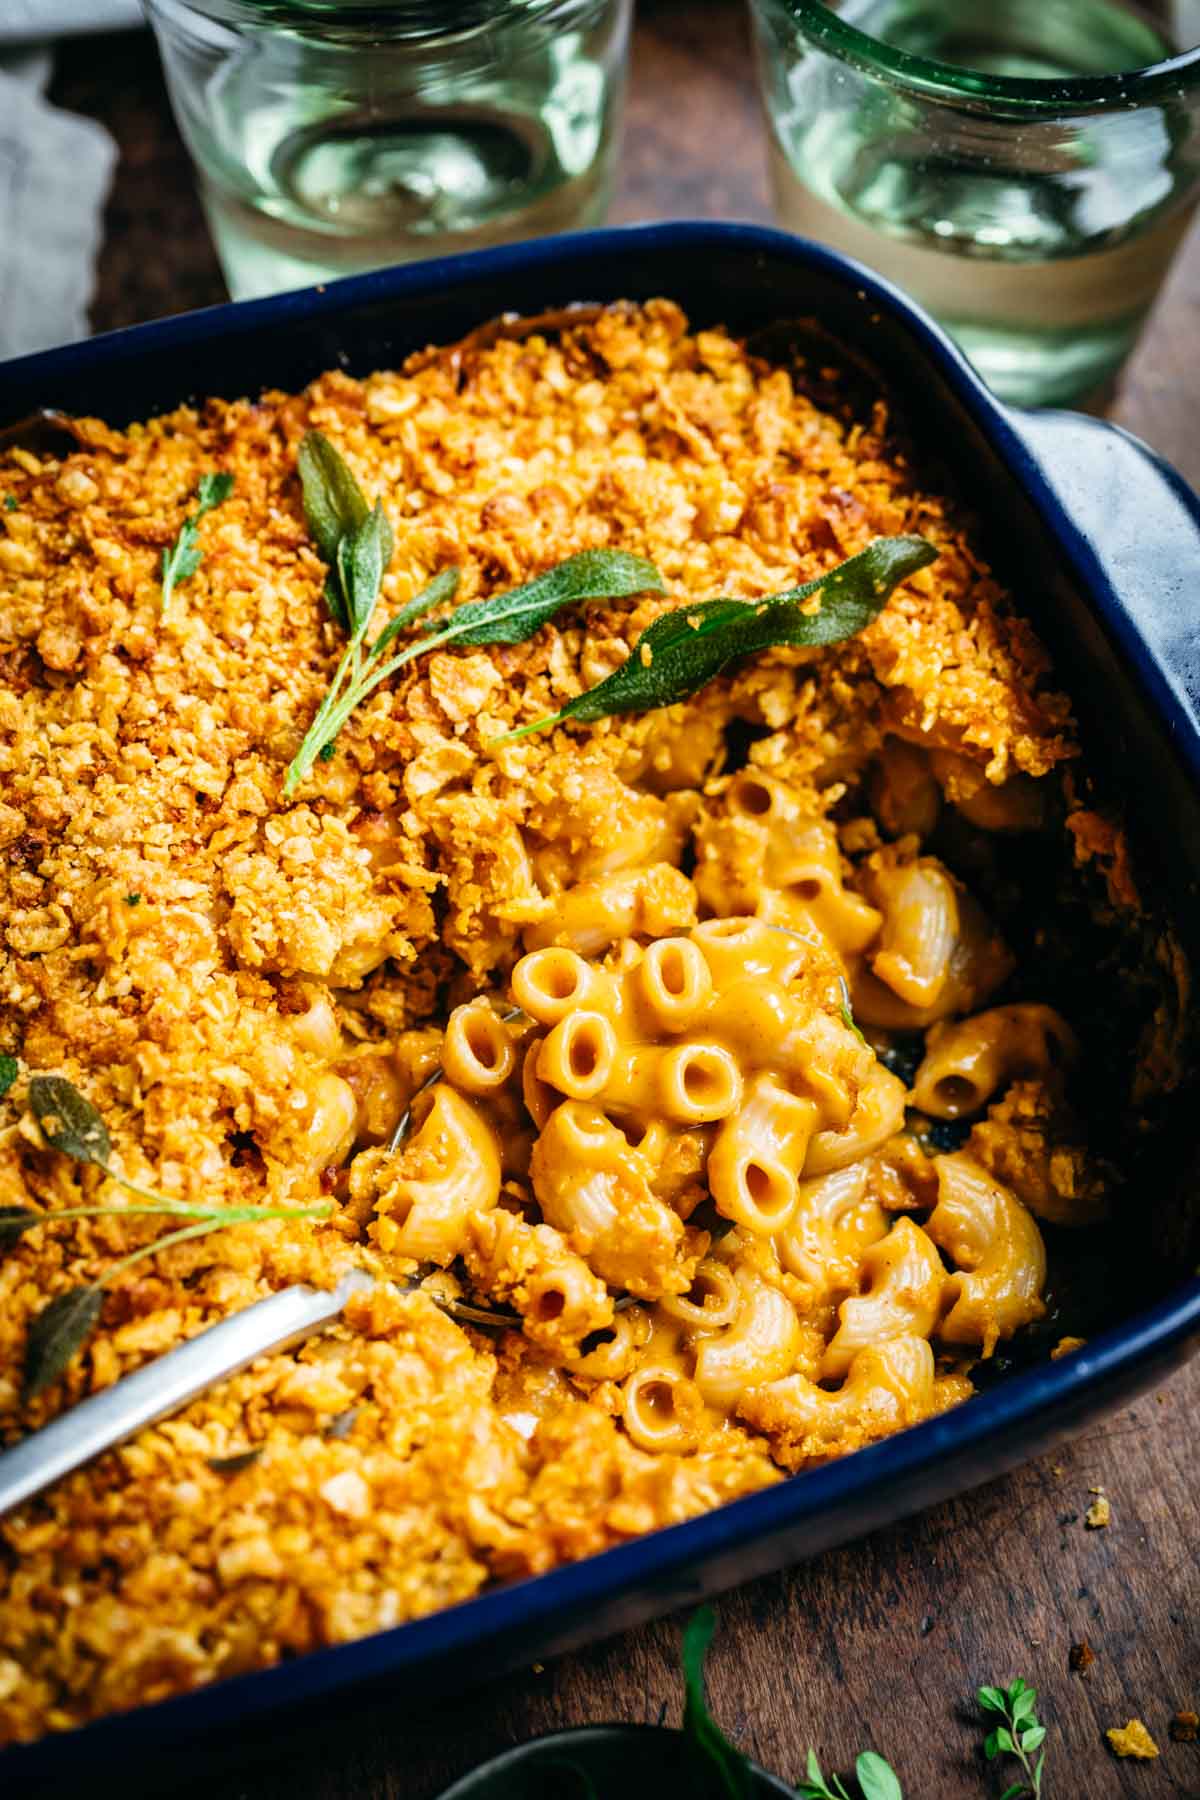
[
  {"x": 332, "y": 136},
  {"x": 1025, "y": 168}
]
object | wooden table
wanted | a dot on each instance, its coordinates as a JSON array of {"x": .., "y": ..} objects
[{"x": 883, "y": 1643}]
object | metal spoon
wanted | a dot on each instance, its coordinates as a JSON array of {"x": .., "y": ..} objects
[{"x": 171, "y": 1380}]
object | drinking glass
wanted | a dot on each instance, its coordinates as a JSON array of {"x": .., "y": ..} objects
[
  {"x": 332, "y": 136},
  {"x": 1025, "y": 168}
]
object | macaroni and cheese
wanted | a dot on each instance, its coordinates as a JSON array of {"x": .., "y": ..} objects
[{"x": 750, "y": 1118}]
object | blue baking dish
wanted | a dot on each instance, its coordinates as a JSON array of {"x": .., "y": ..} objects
[{"x": 1101, "y": 541}]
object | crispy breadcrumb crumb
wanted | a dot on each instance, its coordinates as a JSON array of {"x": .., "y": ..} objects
[{"x": 1132, "y": 1740}]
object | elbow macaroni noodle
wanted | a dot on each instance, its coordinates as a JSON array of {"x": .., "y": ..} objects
[{"x": 694, "y": 1120}]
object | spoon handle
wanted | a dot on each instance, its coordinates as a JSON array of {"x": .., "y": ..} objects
[{"x": 166, "y": 1384}]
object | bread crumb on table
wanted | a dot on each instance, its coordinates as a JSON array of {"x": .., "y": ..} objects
[
  {"x": 1065, "y": 1346},
  {"x": 1099, "y": 1513},
  {"x": 1080, "y": 1658},
  {"x": 1185, "y": 1728},
  {"x": 1132, "y": 1740}
]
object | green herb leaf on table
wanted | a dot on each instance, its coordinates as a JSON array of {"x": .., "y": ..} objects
[
  {"x": 684, "y": 650},
  {"x": 1020, "y": 1734},
  {"x": 728, "y": 1771},
  {"x": 182, "y": 559},
  {"x": 877, "y": 1778},
  {"x": 57, "y": 1332},
  {"x": 815, "y": 1787},
  {"x": 9, "y": 1070}
]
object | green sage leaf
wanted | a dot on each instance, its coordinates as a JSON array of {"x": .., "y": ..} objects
[
  {"x": 334, "y": 504},
  {"x": 9, "y": 1070},
  {"x": 232, "y": 1465},
  {"x": 69, "y": 1123},
  {"x": 729, "y": 1772},
  {"x": 214, "y": 490},
  {"x": 877, "y": 1778},
  {"x": 362, "y": 558},
  {"x": 181, "y": 560},
  {"x": 56, "y": 1333},
  {"x": 514, "y": 616},
  {"x": 684, "y": 650},
  {"x": 342, "y": 1424},
  {"x": 442, "y": 588},
  {"x": 14, "y": 1220}
]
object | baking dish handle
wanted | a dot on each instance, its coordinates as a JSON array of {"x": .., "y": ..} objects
[{"x": 1139, "y": 523}]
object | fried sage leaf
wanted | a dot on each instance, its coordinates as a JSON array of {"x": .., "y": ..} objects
[
  {"x": 443, "y": 587},
  {"x": 684, "y": 650},
  {"x": 356, "y": 541},
  {"x": 356, "y": 676},
  {"x": 9, "y": 1070},
  {"x": 182, "y": 559},
  {"x": 57, "y": 1332},
  {"x": 334, "y": 506},
  {"x": 362, "y": 561},
  {"x": 506, "y": 618},
  {"x": 14, "y": 1220},
  {"x": 342, "y": 1424},
  {"x": 241, "y": 1459},
  {"x": 69, "y": 1123},
  {"x": 511, "y": 617}
]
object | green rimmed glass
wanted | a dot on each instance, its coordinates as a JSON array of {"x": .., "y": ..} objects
[
  {"x": 333, "y": 136},
  {"x": 1026, "y": 169}
]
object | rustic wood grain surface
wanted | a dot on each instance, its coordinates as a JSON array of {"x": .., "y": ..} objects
[{"x": 882, "y": 1643}]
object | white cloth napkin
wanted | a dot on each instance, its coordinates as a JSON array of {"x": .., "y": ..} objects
[
  {"x": 36, "y": 21},
  {"x": 55, "y": 171}
]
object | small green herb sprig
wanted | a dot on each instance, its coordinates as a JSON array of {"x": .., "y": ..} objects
[
  {"x": 1020, "y": 1735},
  {"x": 72, "y": 1126},
  {"x": 182, "y": 559},
  {"x": 876, "y": 1779},
  {"x": 725, "y": 1771},
  {"x": 683, "y": 650},
  {"x": 356, "y": 541}
]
